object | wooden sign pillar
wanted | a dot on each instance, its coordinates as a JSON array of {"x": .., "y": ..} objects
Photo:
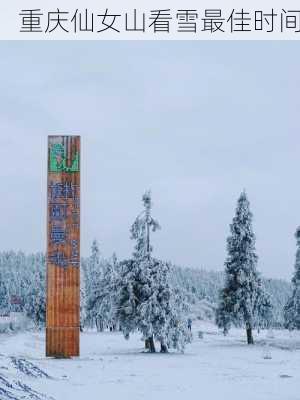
[{"x": 63, "y": 247}]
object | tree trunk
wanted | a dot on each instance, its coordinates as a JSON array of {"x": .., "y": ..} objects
[
  {"x": 249, "y": 333},
  {"x": 163, "y": 347},
  {"x": 151, "y": 345},
  {"x": 99, "y": 325}
]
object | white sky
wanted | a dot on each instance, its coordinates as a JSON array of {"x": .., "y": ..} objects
[{"x": 194, "y": 121}]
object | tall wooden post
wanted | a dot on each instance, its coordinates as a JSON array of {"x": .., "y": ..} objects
[{"x": 63, "y": 247}]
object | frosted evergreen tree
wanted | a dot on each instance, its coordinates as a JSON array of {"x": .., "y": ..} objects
[
  {"x": 109, "y": 290},
  {"x": 128, "y": 298},
  {"x": 93, "y": 277},
  {"x": 154, "y": 309},
  {"x": 105, "y": 293},
  {"x": 4, "y": 295},
  {"x": 100, "y": 283},
  {"x": 242, "y": 297},
  {"x": 178, "y": 334},
  {"x": 148, "y": 303},
  {"x": 35, "y": 301},
  {"x": 292, "y": 308},
  {"x": 264, "y": 316},
  {"x": 146, "y": 298},
  {"x": 223, "y": 318},
  {"x": 141, "y": 228},
  {"x": 140, "y": 232}
]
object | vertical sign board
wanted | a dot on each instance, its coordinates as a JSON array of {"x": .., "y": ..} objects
[{"x": 63, "y": 247}]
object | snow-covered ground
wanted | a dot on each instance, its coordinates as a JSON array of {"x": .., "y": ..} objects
[{"x": 110, "y": 367}]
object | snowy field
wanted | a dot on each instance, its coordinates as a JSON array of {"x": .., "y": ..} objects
[{"x": 212, "y": 368}]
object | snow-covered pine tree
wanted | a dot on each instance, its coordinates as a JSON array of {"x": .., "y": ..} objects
[
  {"x": 292, "y": 308},
  {"x": 140, "y": 231},
  {"x": 178, "y": 334},
  {"x": 35, "y": 301},
  {"x": 223, "y": 319},
  {"x": 100, "y": 282},
  {"x": 4, "y": 294},
  {"x": 127, "y": 297},
  {"x": 93, "y": 277},
  {"x": 105, "y": 294},
  {"x": 241, "y": 298},
  {"x": 146, "y": 300},
  {"x": 263, "y": 308},
  {"x": 109, "y": 287},
  {"x": 154, "y": 309},
  {"x": 136, "y": 284},
  {"x": 141, "y": 228}
]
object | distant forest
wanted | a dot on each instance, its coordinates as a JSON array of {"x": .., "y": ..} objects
[{"x": 23, "y": 279}]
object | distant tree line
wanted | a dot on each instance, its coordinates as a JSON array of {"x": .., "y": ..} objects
[{"x": 155, "y": 298}]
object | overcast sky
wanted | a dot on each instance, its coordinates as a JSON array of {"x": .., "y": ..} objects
[{"x": 196, "y": 122}]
